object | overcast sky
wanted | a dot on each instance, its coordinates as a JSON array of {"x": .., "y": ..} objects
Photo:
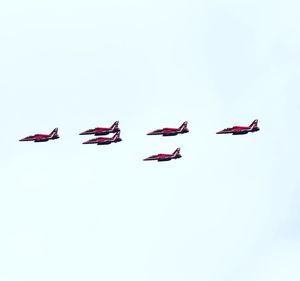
[{"x": 228, "y": 210}]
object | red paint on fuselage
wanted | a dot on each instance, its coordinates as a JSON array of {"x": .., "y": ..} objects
[
  {"x": 42, "y": 137},
  {"x": 100, "y": 131},
  {"x": 164, "y": 157},
  {"x": 241, "y": 130},
  {"x": 171, "y": 131},
  {"x": 103, "y": 141}
]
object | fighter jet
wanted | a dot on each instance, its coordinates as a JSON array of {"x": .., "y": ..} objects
[
  {"x": 165, "y": 157},
  {"x": 42, "y": 137},
  {"x": 99, "y": 131},
  {"x": 171, "y": 131},
  {"x": 239, "y": 130},
  {"x": 104, "y": 141}
]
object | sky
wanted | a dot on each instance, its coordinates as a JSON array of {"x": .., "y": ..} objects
[{"x": 227, "y": 210}]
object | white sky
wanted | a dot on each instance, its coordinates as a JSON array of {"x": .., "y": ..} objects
[{"x": 227, "y": 210}]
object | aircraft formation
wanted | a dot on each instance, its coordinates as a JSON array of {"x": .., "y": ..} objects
[
  {"x": 100, "y": 131},
  {"x": 165, "y": 132}
]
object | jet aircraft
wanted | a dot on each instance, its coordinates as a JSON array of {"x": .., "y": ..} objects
[
  {"x": 42, "y": 137},
  {"x": 171, "y": 131},
  {"x": 239, "y": 130},
  {"x": 103, "y": 141},
  {"x": 165, "y": 157},
  {"x": 100, "y": 131}
]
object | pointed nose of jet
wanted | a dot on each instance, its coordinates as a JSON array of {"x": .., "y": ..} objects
[
  {"x": 153, "y": 133},
  {"x": 82, "y": 133}
]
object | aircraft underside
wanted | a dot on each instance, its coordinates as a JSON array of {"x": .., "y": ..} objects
[
  {"x": 169, "y": 134},
  {"x": 102, "y": 133},
  {"x": 41, "y": 140},
  {"x": 240, "y": 133},
  {"x": 163, "y": 159}
]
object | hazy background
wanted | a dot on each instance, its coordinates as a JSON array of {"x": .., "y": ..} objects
[{"x": 227, "y": 210}]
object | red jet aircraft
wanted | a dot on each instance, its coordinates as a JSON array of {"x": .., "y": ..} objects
[
  {"x": 165, "y": 157},
  {"x": 42, "y": 137},
  {"x": 103, "y": 141},
  {"x": 102, "y": 131},
  {"x": 239, "y": 130},
  {"x": 171, "y": 131}
]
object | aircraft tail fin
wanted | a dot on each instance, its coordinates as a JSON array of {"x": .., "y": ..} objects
[
  {"x": 115, "y": 125},
  {"x": 54, "y": 133},
  {"x": 183, "y": 126},
  {"x": 116, "y": 136},
  {"x": 177, "y": 151},
  {"x": 253, "y": 124}
]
